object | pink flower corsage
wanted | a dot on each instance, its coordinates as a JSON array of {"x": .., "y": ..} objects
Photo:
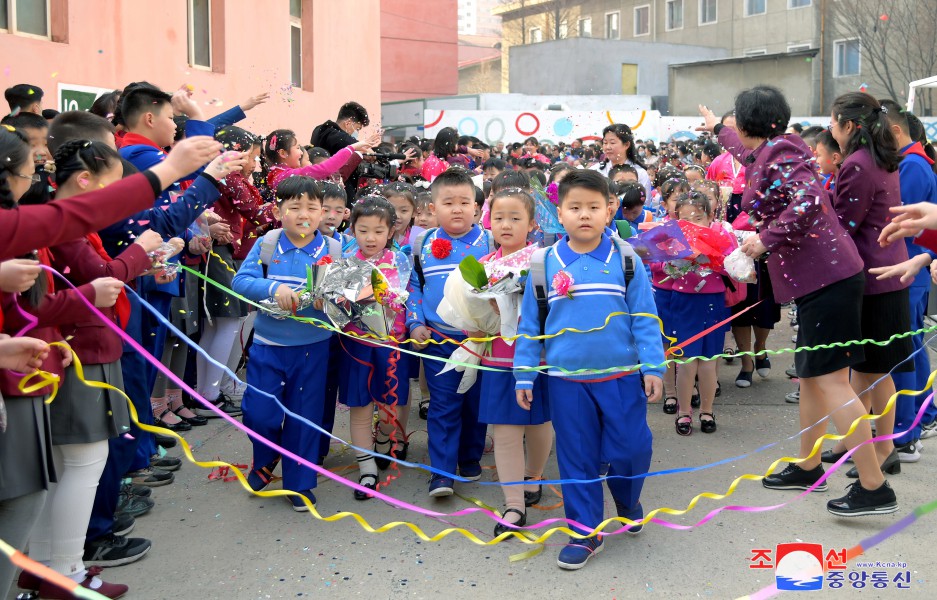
[
  {"x": 553, "y": 193},
  {"x": 562, "y": 282},
  {"x": 441, "y": 248}
]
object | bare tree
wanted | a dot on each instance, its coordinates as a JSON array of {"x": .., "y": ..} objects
[{"x": 898, "y": 40}]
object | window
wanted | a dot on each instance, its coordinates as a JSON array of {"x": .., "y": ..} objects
[
  {"x": 585, "y": 27},
  {"x": 30, "y": 17},
  {"x": 754, "y": 7},
  {"x": 642, "y": 20},
  {"x": 536, "y": 35},
  {"x": 798, "y": 47},
  {"x": 674, "y": 15},
  {"x": 612, "y": 26},
  {"x": 296, "y": 43},
  {"x": 756, "y": 52},
  {"x": 847, "y": 55},
  {"x": 564, "y": 29},
  {"x": 199, "y": 33},
  {"x": 798, "y": 3},
  {"x": 707, "y": 12}
]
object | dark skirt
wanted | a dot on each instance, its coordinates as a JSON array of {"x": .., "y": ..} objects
[
  {"x": 25, "y": 448},
  {"x": 184, "y": 312},
  {"x": 828, "y": 315},
  {"x": 81, "y": 414},
  {"x": 213, "y": 300},
  {"x": 884, "y": 315},
  {"x": 694, "y": 313},
  {"x": 498, "y": 402},
  {"x": 766, "y": 314}
]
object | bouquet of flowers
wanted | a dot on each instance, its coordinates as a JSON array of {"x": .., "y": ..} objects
[
  {"x": 467, "y": 299},
  {"x": 547, "y": 200}
]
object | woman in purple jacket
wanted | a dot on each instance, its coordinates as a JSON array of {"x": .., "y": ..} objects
[
  {"x": 866, "y": 188},
  {"x": 814, "y": 262}
]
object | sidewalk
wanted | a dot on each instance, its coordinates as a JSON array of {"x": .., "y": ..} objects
[{"x": 213, "y": 540}]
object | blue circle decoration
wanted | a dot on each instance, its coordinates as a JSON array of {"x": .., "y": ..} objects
[
  {"x": 563, "y": 127},
  {"x": 463, "y": 130},
  {"x": 490, "y": 139}
]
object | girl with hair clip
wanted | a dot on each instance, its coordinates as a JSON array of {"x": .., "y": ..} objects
[
  {"x": 697, "y": 303},
  {"x": 282, "y": 154},
  {"x": 618, "y": 146},
  {"x": 512, "y": 219},
  {"x": 447, "y": 153},
  {"x": 867, "y": 186},
  {"x": 372, "y": 373},
  {"x": 670, "y": 189},
  {"x": 82, "y": 417},
  {"x": 403, "y": 198}
]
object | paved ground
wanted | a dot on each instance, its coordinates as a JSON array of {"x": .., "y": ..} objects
[{"x": 212, "y": 540}]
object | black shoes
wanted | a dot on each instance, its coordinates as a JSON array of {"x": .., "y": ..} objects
[
  {"x": 859, "y": 502},
  {"x": 795, "y": 478},
  {"x": 531, "y": 498},
  {"x": 367, "y": 480},
  {"x": 499, "y": 528},
  {"x": 707, "y": 425},
  {"x": 891, "y": 465}
]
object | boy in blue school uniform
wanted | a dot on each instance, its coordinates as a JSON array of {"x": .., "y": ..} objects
[
  {"x": 597, "y": 417},
  {"x": 456, "y": 438},
  {"x": 288, "y": 359}
]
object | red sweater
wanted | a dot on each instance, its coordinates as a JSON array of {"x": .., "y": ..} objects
[
  {"x": 25, "y": 228},
  {"x": 91, "y": 338}
]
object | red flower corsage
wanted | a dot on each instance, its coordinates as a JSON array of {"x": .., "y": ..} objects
[
  {"x": 441, "y": 248},
  {"x": 325, "y": 260}
]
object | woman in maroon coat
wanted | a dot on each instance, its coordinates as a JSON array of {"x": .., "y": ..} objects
[{"x": 814, "y": 262}]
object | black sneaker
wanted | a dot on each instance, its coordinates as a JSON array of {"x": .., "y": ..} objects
[
  {"x": 140, "y": 491},
  {"x": 165, "y": 441},
  {"x": 133, "y": 506},
  {"x": 151, "y": 477},
  {"x": 859, "y": 502},
  {"x": 222, "y": 402},
  {"x": 114, "y": 551},
  {"x": 123, "y": 524},
  {"x": 165, "y": 463},
  {"x": 795, "y": 478}
]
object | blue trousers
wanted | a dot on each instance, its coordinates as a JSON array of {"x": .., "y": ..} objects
[
  {"x": 125, "y": 454},
  {"x": 152, "y": 336},
  {"x": 296, "y": 376},
  {"x": 455, "y": 435},
  {"x": 331, "y": 395},
  {"x": 596, "y": 423},
  {"x": 906, "y": 407}
]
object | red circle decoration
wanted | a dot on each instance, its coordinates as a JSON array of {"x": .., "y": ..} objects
[
  {"x": 436, "y": 122},
  {"x": 517, "y": 124}
]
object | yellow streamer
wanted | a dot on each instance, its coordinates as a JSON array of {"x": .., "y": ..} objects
[{"x": 523, "y": 536}]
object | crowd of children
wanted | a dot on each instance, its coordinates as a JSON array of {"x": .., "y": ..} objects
[{"x": 256, "y": 215}]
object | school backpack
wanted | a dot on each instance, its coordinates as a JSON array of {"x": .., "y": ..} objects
[
  {"x": 538, "y": 276},
  {"x": 418, "y": 251},
  {"x": 268, "y": 245}
]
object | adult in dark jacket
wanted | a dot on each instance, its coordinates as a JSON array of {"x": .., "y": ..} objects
[
  {"x": 814, "y": 262},
  {"x": 335, "y": 135}
]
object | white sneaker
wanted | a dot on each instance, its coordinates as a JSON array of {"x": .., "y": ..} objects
[
  {"x": 910, "y": 452},
  {"x": 928, "y": 430}
]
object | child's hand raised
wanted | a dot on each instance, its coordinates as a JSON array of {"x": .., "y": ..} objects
[
  {"x": 653, "y": 387},
  {"x": 183, "y": 104},
  {"x": 186, "y": 157},
  {"x": 286, "y": 297},
  {"x": 228, "y": 162},
  {"x": 255, "y": 101},
  {"x": 150, "y": 240},
  {"x": 526, "y": 397}
]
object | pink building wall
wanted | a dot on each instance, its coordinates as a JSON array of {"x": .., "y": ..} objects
[
  {"x": 113, "y": 42},
  {"x": 419, "y": 49}
]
